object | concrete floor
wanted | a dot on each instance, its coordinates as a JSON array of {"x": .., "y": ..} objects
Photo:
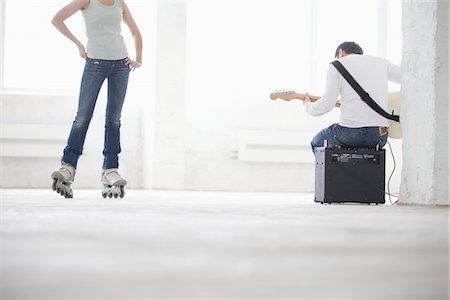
[{"x": 191, "y": 245}]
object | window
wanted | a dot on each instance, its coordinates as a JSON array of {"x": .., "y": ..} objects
[
  {"x": 39, "y": 58},
  {"x": 239, "y": 52},
  {"x": 337, "y": 22},
  {"x": 36, "y": 55}
]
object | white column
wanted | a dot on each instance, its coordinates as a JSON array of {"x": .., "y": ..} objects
[
  {"x": 425, "y": 102},
  {"x": 169, "y": 144}
]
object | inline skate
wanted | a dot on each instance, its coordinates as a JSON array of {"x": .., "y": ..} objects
[
  {"x": 113, "y": 184},
  {"x": 63, "y": 177}
]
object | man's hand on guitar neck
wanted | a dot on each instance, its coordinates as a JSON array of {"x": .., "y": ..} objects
[{"x": 307, "y": 99}]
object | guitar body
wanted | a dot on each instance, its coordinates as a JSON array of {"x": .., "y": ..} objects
[{"x": 395, "y": 129}]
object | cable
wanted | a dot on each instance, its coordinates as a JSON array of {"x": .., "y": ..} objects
[{"x": 392, "y": 173}]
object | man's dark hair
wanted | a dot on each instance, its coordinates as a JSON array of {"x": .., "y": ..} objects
[{"x": 349, "y": 48}]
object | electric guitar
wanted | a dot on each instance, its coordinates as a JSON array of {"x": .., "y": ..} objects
[{"x": 394, "y": 131}]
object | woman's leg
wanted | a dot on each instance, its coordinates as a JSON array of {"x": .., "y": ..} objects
[
  {"x": 117, "y": 88},
  {"x": 93, "y": 78}
]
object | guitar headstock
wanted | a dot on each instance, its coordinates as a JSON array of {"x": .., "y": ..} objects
[{"x": 286, "y": 95}]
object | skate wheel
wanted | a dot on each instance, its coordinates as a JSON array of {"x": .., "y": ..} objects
[
  {"x": 54, "y": 184},
  {"x": 116, "y": 195},
  {"x": 122, "y": 192},
  {"x": 104, "y": 195},
  {"x": 110, "y": 195}
]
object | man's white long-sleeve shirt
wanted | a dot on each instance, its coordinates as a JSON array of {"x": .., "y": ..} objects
[{"x": 373, "y": 74}]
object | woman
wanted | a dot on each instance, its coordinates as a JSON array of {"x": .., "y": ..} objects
[{"x": 106, "y": 58}]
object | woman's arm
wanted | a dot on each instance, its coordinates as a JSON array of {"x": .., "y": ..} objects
[
  {"x": 63, "y": 14},
  {"x": 128, "y": 19}
]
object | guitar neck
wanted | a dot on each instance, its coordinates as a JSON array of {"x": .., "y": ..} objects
[
  {"x": 303, "y": 96},
  {"x": 293, "y": 95}
]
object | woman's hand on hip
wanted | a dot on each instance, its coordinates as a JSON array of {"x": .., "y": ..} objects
[
  {"x": 132, "y": 63},
  {"x": 82, "y": 51}
]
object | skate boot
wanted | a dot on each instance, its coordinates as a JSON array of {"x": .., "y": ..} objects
[
  {"x": 62, "y": 179},
  {"x": 113, "y": 184}
]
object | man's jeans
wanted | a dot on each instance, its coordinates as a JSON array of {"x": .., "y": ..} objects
[
  {"x": 337, "y": 135},
  {"x": 95, "y": 73}
]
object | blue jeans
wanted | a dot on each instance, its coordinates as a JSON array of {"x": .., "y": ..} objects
[
  {"x": 95, "y": 73},
  {"x": 337, "y": 135}
]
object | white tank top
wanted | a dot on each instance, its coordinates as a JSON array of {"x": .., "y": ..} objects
[{"x": 103, "y": 30}]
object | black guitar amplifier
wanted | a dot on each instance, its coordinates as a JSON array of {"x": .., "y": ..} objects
[{"x": 349, "y": 175}]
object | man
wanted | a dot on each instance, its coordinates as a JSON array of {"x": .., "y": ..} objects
[{"x": 359, "y": 125}]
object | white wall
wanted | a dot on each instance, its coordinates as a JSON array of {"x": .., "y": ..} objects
[
  {"x": 234, "y": 63},
  {"x": 425, "y": 102}
]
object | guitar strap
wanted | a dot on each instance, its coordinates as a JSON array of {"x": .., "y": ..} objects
[{"x": 362, "y": 93}]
